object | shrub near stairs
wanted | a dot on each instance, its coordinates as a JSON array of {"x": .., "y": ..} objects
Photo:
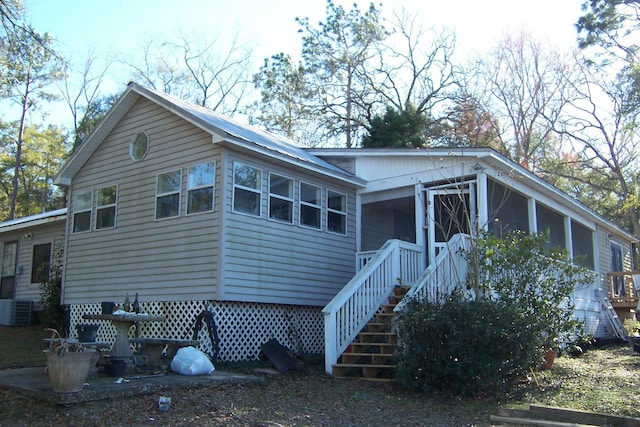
[{"x": 464, "y": 347}]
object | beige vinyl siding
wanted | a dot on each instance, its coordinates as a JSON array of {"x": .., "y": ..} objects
[
  {"x": 49, "y": 233},
  {"x": 169, "y": 259},
  {"x": 273, "y": 262}
]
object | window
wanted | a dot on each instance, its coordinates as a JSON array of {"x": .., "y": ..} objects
[
  {"x": 40, "y": 263},
  {"x": 106, "y": 209},
  {"x": 82, "y": 211},
  {"x": 139, "y": 146},
  {"x": 280, "y": 198},
  {"x": 200, "y": 188},
  {"x": 310, "y": 205},
  {"x": 246, "y": 189},
  {"x": 336, "y": 212},
  {"x": 582, "y": 242},
  {"x": 168, "y": 194}
]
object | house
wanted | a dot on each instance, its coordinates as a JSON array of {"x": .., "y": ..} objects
[{"x": 193, "y": 211}]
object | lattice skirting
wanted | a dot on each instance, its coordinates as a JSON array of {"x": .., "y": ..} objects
[{"x": 242, "y": 327}]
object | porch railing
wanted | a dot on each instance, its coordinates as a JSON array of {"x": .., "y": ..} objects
[
  {"x": 622, "y": 287},
  {"x": 444, "y": 275},
  {"x": 357, "y": 302}
]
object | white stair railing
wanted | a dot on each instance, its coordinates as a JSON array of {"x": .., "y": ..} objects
[
  {"x": 447, "y": 272},
  {"x": 357, "y": 302}
]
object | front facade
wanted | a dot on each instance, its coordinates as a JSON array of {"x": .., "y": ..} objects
[{"x": 193, "y": 211}]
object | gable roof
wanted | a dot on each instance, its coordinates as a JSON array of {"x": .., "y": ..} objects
[{"x": 221, "y": 128}]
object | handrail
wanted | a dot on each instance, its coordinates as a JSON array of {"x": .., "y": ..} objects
[
  {"x": 348, "y": 312},
  {"x": 448, "y": 271}
]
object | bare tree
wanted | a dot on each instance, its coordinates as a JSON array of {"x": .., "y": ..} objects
[
  {"x": 81, "y": 99},
  {"x": 525, "y": 84},
  {"x": 416, "y": 69},
  {"x": 602, "y": 123},
  {"x": 196, "y": 71}
]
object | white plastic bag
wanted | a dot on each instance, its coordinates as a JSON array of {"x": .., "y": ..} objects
[{"x": 191, "y": 361}]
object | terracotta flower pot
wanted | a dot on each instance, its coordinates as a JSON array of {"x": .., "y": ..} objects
[{"x": 549, "y": 357}]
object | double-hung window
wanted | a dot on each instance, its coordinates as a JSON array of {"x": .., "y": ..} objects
[
  {"x": 280, "y": 198},
  {"x": 168, "y": 194},
  {"x": 200, "y": 180},
  {"x": 82, "y": 202},
  {"x": 336, "y": 212},
  {"x": 106, "y": 207},
  {"x": 310, "y": 205},
  {"x": 246, "y": 189}
]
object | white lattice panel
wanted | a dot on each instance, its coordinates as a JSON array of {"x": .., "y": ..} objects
[{"x": 242, "y": 327}]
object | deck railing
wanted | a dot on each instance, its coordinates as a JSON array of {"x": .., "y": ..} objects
[
  {"x": 358, "y": 301},
  {"x": 444, "y": 275},
  {"x": 622, "y": 287}
]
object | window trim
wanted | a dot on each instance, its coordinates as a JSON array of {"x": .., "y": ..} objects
[
  {"x": 257, "y": 191},
  {"x": 290, "y": 199},
  {"x": 302, "y": 203},
  {"x": 158, "y": 195},
  {"x": 131, "y": 146},
  {"x": 212, "y": 185},
  {"x": 76, "y": 212},
  {"x": 107, "y": 206},
  {"x": 33, "y": 272},
  {"x": 337, "y": 212}
]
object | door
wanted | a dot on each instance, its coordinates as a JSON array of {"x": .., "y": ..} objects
[
  {"x": 8, "y": 270},
  {"x": 450, "y": 210},
  {"x": 616, "y": 265}
]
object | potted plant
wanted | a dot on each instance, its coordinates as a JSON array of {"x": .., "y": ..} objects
[{"x": 68, "y": 363}]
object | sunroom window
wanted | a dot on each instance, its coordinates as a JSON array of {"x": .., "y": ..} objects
[
  {"x": 336, "y": 212},
  {"x": 200, "y": 180},
  {"x": 310, "y": 205},
  {"x": 82, "y": 211},
  {"x": 168, "y": 194},
  {"x": 246, "y": 189},
  {"x": 106, "y": 207},
  {"x": 280, "y": 198}
]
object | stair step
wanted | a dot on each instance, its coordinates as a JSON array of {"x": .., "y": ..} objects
[
  {"x": 378, "y": 327},
  {"x": 377, "y": 337},
  {"x": 382, "y": 347},
  {"x": 367, "y": 372},
  {"x": 366, "y": 358}
]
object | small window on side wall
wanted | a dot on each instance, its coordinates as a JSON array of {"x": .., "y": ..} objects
[
  {"x": 40, "y": 263},
  {"x": 336, "y": 212},
  {"x": 106, "y": 207},
  {"x": 200, "y": 184},
  {"x": 247, "y": 192},
  {"x": 280, "y": 198},
  {"x": 81, "y": 204},
  {"x": 168, "y": 194},
  {"x": 139, "y": 146},
  {"x": 310, "y": 205}
]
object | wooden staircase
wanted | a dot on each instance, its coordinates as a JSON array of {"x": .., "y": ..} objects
[{"x": 370, "y": 355}]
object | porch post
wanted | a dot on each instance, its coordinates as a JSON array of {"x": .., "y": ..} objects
[
  {"x": 420, "y": 215},
  {"x": 533, "y": 216},
  {"x": 483, "y": 214}
]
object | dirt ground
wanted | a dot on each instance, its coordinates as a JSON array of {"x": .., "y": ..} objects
[{"x": 603, "y": 380}]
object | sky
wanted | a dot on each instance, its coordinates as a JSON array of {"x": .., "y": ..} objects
[{"x": 117, "y": 27}]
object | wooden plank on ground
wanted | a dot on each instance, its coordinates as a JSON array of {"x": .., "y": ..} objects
[
  {"x": 581, "y": 416},
  {"x": 536, "y": 422}
]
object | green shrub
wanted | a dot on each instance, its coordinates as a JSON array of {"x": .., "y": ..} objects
[{"x": 464, "y": 347}]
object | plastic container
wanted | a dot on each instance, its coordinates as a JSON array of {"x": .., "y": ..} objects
[{"x": 87, "y": 333}]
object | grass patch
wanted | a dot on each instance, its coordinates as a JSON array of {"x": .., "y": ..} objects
[{"x": 22, "y": 346}]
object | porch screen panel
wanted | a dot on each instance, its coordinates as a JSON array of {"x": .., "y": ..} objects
[
  {"x": 508, "y": 210},
  {"x": 582, "y": 242},
  {"x": 552, "y": 222}
]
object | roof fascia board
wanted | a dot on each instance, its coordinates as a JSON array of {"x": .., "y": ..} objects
[
  {"x": 27, "y": 223},
  {"x": 353, "y": 180}
]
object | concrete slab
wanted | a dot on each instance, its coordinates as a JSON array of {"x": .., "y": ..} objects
[{"x": 35, "y": 382}]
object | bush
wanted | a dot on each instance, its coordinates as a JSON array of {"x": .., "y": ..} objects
[{"x": 464, "y": 347}]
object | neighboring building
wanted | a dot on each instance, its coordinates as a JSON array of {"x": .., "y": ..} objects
[{"x": 192, "y": 211}]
